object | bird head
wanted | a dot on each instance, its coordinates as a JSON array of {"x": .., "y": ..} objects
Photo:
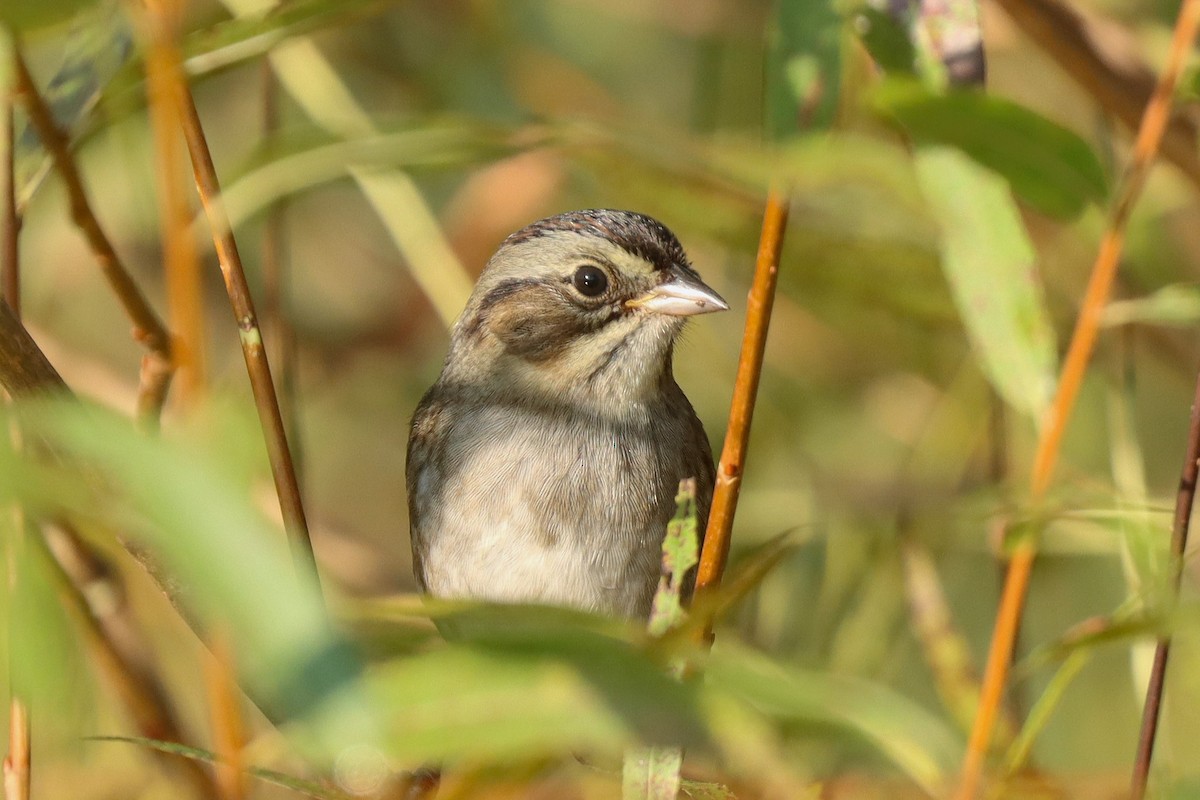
[{"x": 584, "y": 302}]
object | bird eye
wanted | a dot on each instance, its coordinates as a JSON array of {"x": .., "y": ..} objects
[{"x": 590, "y": 281}]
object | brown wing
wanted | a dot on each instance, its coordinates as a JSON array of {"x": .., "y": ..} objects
[{"x": 425, "y": 442}]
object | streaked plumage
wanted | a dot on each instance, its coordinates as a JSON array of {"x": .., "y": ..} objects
[{"x": 543, "y": 463}]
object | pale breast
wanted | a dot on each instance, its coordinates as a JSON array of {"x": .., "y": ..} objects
[{"x": 519, "y": 505}]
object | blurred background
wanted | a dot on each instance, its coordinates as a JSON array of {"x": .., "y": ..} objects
[{"x": 412, "y": 137}]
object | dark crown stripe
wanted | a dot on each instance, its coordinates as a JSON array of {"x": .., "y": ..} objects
[{"x": 637, "y": 234}]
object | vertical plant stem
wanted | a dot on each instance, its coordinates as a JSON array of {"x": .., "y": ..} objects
[
  {"x": 229, "y": 730},
  {"x": 1185, "y": 498},
  {"x": 1083, "y": 340},
  {"x": 265, "y": 399},
  {"x": 180, "y": 262},
  {"x": 18, "y": 762},
  {"x": 715, "y": 552},
  {"x": 10, "y": 227},
  {"x": 148, "y": 330}
]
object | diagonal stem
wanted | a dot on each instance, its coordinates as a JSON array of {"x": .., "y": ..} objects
[
  {"x": 1016, "y": 584},
  {"x": 1185, "y": 498},
  {"x": 148, "y": 329},
  {"x": 18, "y": 761},
  {"x": 715, "y": 551},
  {"x": 278, "y": 453}
]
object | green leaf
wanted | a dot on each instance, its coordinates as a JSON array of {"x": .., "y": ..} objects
[
  {"x": 527, "y": 683},
  {"x": 919, "y": 744},
  {"x": 100, "y": 42},
  {"x": 886, "y": 40},
  {"x": 299, "y": 785},
  {"x": 1177, "y": 305},
  {"x": 182, "y": 499},
  {"x": 297, "y": 166},
  {"x": 803, "y": 70},
  {"x": 681, "y": 552},
  {"x": 1047, "y": 166},
  {"x": 45, "y": 665},
  {"x": 989, "y": 263},
  {"x": 32, "y": 15},
  {"x": 241, "y": 39}
]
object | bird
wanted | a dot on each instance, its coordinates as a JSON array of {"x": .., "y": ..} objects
[{"x": 543, "y": 463}]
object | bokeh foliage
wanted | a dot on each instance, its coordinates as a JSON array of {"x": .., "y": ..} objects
[{"x": 933, "y": 265}]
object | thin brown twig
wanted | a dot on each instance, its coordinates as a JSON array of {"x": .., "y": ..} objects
[
  {"x": 257, "y": 366},
  {"x": 1185, "y": 498},
  {"x": 1016, "y": 584},
  {"x": 148, "y": 330},
  {"x": 715, "y": 551},
  {"x": 18, "y": 761},
  {"x": 10, "y": 227},
  {"x": 94, "y": 594}
]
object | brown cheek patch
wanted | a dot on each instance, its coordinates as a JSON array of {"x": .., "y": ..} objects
[{"x": 537, "y": 323}]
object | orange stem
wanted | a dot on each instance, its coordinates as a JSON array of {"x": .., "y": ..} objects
[
  {"x": 229, "y": 729},
  {"x": 181, "y": 264},
  {"x": 733, "y": 456}
]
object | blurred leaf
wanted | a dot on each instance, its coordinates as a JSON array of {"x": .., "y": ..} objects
[
  {"x": 290, "y": 167},
  {"x": 743, "y": 577},
  {"x": 1043, "y": 709},
  {"x": 1047, "y": 165},
  {"x": 886, "y": 40},
  {"x": 28, "y": 16},
  {"x": 110, "y": 71},
  {"x": 942, "y": 643},
  {"x": 315, "y": 85},
  {"x": 919, "y": 744},
  {"x": 1117, "y": 628},
  {"x": 181, "y": 501},
  {"x": 803, "y": 70},
  {"x": 1144, "y": 557},
  {"x": 989, "y": 263},
  {"x": 247, "y": 37},
  {"x": 525, "y": 686},
  {"x": 299, "y": 785},
  {"x": 99, "y": 44},
  {"x": 45, "y": 659},
  {"x": 1178, "y": 304}
]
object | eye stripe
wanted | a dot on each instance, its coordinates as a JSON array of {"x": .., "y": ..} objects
[{"x": 499, "y": 293}]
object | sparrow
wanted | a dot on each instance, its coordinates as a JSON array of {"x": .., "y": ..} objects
[{"x": 543, "y": 464}]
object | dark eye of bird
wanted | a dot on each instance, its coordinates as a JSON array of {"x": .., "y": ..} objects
[{"x": 590, "y": 281}]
